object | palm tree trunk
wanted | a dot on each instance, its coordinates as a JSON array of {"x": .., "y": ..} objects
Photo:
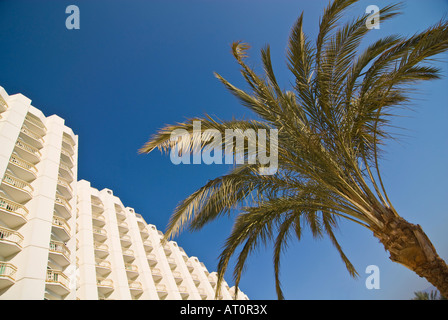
[{"x": 409, "y": 246}]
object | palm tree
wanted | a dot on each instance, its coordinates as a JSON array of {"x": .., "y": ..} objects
[
  {"x": 332, "y": 126},
  {"x": 433, "y": 295}
]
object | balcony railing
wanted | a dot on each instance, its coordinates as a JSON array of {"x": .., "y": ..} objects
[
  {"x": 63, "y": 201},
  {"x": 56, "y": 276},
  {"x": 195, "y": 279},
  {"x": 171, "y": 262},
  {"x": 36, "y": 122},
  {"x": 18, "y": 183},
  {"x": 13, "y": 207},
  {"x": 27, "y": 147},
  {"x": 98, "y": 216},
  {"x": 59, "y": 247},
  {"x": 32, "y": 134},
  {"x": 7, "y": 270},
  {"x": 105, "y": 283},
  {"x": 65, "y": 167},
  {"x": 128, "y": 252},
  {"x": 135, "y": 285},
  {"x": 156, "y": 272},
  {"x": 202, "y": 293},
  {"x": 189, "y": 265},
  {"x": 125, "y": 238},
  {"x": 152, "y": 259},
  {"x": 101, "y": 246},
  {"x": 123, "y": 225},
  {"x": 100, "y": 231},
  {"x": 23, "y": 164},
  {"x": 161, "y": 288},
  {"x": 67, "y": 140},
  {"x": 65, "y": 183},
  {"x": 177, "y": 276},
  {"x": 67, "y": 154},
  {"x": 131, "y": 267},
  {"x": 103, "y": 264},
  {"x": 60, "y": 222},
  {"x": 11, "y": 236},
  {"x": 167, "y": 249}
]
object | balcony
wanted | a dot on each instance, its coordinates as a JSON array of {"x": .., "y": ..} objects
[
  {"x": 22, "y": 168},
  {"x": 144, "y": 233},
  {"x": 30, "y": 137},
  {"x": 212, "y": 279},
  {"x": 202, "y": 293},
  {"x": 177, "y": 277},
  {"x": 161, "y": 290},
  {"x": 125, "y": 240},
  {"x": 62, "y": 206},
  {"x": 64, "y": 188},
  {"x": 171, "y": 263},
  {"x": 101, "y": 250},
  {"x": 59, "y": 253},
  {"x": 57, "y": 282},
  {"x": 10, "y": 242},
  {"x": 131, "y": 270},
  {"x": 27, "y": 152},
  {"x": 135, "y": 287},
  {"x": 65, "y": 172},
  {"x": 98, "y": 220},
  {"x": 67, "y": 139},
  {"x": 12, "y": 213},
  {"x": 140, "y": 221},
  {"x": 183, "y": 253},
  {"x": 105, "y": 286},
  {"x": 99, "y": 234},
  {"x": 152, "y": 259},
  {"x": 190, "y": 266},
  {"x": 35, "y": 124},
  {"x": 195, "y": 279},
  {"x": 147, "y": 244},
  {"x": 20, "y": 191},
  {"x": 123, "y": 227},
  {"x": 128, "y": 255},
  {"x": 7, "y": 274},
  {"x": 121, "y": 215},
  {"x": 167, "y": 249},
  {"x": 103, "y": 267},
  {"x": 61, "y": 228},
  {"x": 183, "y": 292},
  {"x": 97, "y": 206},
  {"x": 67, "y": 157},
  {"x": 156, "y": 274}
]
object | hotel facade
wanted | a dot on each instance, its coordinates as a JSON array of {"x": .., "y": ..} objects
[{"x": 62, "y": 239}]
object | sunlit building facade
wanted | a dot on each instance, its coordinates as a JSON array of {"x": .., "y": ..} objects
[{"x": 61, "y": 238}]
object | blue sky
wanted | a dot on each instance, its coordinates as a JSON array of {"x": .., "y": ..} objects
[{"x": 134, "y": 66}]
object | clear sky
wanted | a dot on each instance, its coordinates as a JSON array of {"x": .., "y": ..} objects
[{"x": 134, "y": 66}]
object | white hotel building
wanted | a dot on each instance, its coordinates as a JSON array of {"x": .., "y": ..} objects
[{"x": 62, "y": 239}]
